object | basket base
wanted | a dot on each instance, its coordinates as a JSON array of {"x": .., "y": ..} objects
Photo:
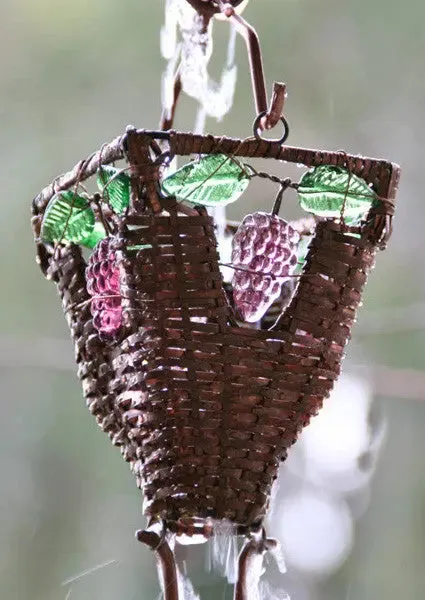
[{"x": 157, "y": 537}]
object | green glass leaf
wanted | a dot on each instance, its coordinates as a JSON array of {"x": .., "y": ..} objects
[
  {"x": 214, "y": 180},
  {"x": 323, "y": 190},
  {"x": 96, "y": 235},
  {"x": 114, "y": 187},
  {"x": 68, "y": 218}
]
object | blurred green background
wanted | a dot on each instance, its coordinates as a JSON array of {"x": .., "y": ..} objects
[{"x": 72, "y": 76}]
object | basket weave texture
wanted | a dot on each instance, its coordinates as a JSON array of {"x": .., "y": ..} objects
[{"x": 202, "y": 409}]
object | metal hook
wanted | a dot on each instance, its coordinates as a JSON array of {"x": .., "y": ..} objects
[
  {"x": 267, "y": 117},
  {"x": 254, "y": 55}
]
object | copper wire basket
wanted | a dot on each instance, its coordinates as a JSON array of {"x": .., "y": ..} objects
[{"x": 204, "y": 410}]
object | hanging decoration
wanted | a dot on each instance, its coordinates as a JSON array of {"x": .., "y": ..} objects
[
  {"x": 202, "y": 390},
  {"x": 187, "y": 44}
]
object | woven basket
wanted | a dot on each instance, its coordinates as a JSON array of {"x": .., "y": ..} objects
[{"x": 202, "y": 409}]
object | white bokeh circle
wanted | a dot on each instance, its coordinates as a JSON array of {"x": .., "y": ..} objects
[
  {"x": 340, "y": 433},
  {"x": 316, "y": 531}
]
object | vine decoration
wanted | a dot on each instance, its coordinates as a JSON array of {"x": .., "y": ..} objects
[{"x": 332, "y": 178}]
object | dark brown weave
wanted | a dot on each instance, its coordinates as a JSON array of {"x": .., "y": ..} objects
[{"x": 204, "y": 410}]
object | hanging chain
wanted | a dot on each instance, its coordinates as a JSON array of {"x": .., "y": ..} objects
[{"x": 186, "y": 42}]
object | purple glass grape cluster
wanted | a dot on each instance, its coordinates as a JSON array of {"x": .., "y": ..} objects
[
  {"x": 264, "y": 252},
  {"x": 103, "y": 284}
]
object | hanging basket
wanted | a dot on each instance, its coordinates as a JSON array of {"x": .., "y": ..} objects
[{"x": 203, "y": 409}]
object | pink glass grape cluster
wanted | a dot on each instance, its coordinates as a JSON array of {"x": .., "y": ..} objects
[
  {"x": 103, "y": 284},
  {"x": 266, "y": 247}
]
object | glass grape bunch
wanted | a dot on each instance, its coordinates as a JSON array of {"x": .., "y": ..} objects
[
  {"x": 264, "y": 252},
  {"x": 103, "y": 285}
]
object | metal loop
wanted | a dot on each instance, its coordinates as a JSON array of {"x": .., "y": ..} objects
[{"x": 257, "y": 129}]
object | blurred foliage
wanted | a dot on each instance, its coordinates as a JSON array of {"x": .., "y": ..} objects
[{"x": 73, "y": 75}]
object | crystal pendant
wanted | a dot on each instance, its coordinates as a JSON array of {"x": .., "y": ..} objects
[
  {"x": 115, "y": 188},
  {"x": 68, "y": 218},
  {"x": 264, "y": 254},
  {"x": 214, "y": 180},
  {"x": 325, "y": 190}
]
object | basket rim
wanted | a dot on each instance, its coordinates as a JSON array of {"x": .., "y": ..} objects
[{"x": 383, "y": 175}]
